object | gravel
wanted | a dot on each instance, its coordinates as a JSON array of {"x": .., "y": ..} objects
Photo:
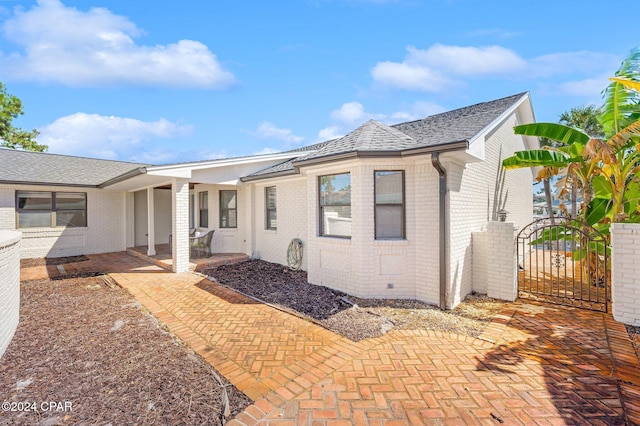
[
  {"x": 351, "y": 317},
  {"x": 84, "y": 343}
]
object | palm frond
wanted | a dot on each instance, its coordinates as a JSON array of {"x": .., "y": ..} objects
[{"x": 554, "y": 131}]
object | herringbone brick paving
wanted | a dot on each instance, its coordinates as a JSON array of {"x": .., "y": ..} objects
[{"x": 535, "y": 363}]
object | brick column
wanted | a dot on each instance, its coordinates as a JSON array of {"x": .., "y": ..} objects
[
  {"x": 180, "y": 224},
  {"x": 625, "y": 272},
  {"x": 502, "y": 267},
  {"x": 9, "y": 286}
]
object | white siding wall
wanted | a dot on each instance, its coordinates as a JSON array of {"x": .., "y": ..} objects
[
  {"x": 291, "y": 199},
  {"x": 227, "y": 240},
  {"x": 106, "y": 230},
  {"x": 9, "y": 286},
  {"x": 471, "y": 191},
  {"x": 161, "y": 212}
]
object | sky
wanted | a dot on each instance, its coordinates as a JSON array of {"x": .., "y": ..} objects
[{"x": 166, "y": 81}]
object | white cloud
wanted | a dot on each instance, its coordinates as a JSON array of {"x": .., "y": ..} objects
[
  {"x": 586, "y": 87},
  {"x": 97, "y": 48},
  {"x": 442, "y": 66},
  {"x": 110, "y": 137},
  {"x": 328, "y": 133},
  {"x": 268, "y": 130},
  {"x": 352, "y": 114},
  {"x": 349, "y": 112},
  {"x": 267, "y": 150}
]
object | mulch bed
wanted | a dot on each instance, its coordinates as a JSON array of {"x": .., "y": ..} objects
[
  {"x": 25, "y": 263},
  {"x": 85, "y": 343},
  {"x": 351, "y": 317}
]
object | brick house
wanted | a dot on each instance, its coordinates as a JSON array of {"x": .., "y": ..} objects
[{"x": 384, "y": 211}]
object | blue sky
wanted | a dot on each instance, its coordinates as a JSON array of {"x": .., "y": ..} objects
[{"x": 166, "y": 81}]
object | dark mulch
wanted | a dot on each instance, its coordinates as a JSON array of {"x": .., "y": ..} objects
[
  {"x": 82, "y": 342},
  {"x": 277, "y": 284},
  {"x": 351, "y": 317},
  {"x": 25, "y": 263}
]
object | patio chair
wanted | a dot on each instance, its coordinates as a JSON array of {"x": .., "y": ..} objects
[
  {"x": 201, "y": 246},
  {"x": 192, "y": 232}
]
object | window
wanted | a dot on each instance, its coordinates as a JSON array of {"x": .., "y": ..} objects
[
  {"x": 203, "y": 206},
  {"x": 192, "y": 210},
  {"x": 51, "y": 209},
  {"x": 228, "y": 209},
  {"x": 389, "y": 204},
  {"x": 335, "y": 205},
  {"x": 271, "y": 207}
]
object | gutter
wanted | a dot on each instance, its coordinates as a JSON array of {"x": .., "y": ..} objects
[{"x": 435, "y": 161}]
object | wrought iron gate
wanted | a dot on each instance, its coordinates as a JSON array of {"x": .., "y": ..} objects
[{"x": 564, "y": 261}]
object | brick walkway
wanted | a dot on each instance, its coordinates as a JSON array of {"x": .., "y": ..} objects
[{"x": 535, "y": 363}]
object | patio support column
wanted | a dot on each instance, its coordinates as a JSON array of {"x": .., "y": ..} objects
[
  {"x": 151, "y": 226},
  {"x": 180, "y": 224}
]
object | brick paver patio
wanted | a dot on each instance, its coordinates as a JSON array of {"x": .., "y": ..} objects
[{"x": 535, "y": 364}]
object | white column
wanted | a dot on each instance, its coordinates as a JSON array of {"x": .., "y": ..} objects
[
  {"x": 151, "y": 225},
  {"x": 502, "y": 270},
  {"x": 625, "y": 272},
  {"x": 180, "y": 224}
]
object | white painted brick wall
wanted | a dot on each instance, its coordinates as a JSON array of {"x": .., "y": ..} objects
[
  {"x": 227, "y": 240},
  {"x": 291, "y": 199},
  {"x": 471, "y": 191},
  {"x": 625, "y": 272},
  {"x": 180, "y": 224},
  {"x": 9, "y": 286},
  {"x": 502, "y": 268},
  {"x": 480, "y": 261},
  {"x": 106, "y": 230}
]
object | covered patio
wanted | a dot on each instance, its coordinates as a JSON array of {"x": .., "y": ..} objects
[
  {"x": 164, "y": 259},
  {"x": 164, "y": 204}
]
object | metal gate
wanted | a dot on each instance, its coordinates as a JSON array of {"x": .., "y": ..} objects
[{"x": 564, "y": 261}]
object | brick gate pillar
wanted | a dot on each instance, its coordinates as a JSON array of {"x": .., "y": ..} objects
[
  {"x": 502, "y": 266},
  {"x": 625, "y": 272}
]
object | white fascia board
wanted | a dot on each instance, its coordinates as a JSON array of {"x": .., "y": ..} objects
[
  {"x": 477, "y": 143},
  {"x": 171, "y": 169}
]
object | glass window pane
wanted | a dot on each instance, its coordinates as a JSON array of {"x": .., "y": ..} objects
[
  {"x": 28, "y": 200},
  {"x": 389, "y": 222},
  {"x": 71, "y": 218},
  {"x": 336, "y": 221},
  {"x": 335, "y": 189},
  {"x": 233, "y": 219},
  {"x": 70, "y": 200},
  {"x": 203, "y": 207},
  {"x": 272, "y": 219},
  {"x": 271, "y": 197},
  {"x": 389, "y": 187},
  {"x": 228, "y": 199},
  {"x": 34, "y": 219}
]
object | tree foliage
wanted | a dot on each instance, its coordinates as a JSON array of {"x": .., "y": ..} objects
[
  {"x": 15, "y": 137},
  {"x": 602, "y": 160}
]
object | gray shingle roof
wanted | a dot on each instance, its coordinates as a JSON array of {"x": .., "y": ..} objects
[
  {"x": 459, "y": 125},
  {"x": 42, "y": 168}
]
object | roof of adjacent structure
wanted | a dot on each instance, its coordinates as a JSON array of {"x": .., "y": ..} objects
[
  {"x": 53, "y": 169},
  {"x": 375, "y": 138}
]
